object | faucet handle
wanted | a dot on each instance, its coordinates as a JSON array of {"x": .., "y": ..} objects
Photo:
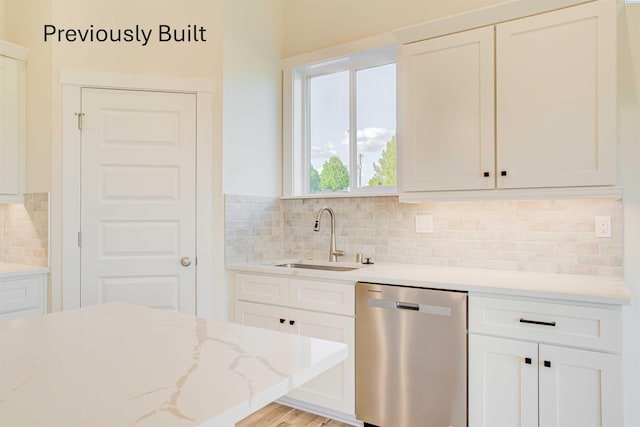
[{"x": 337, "y": 253}]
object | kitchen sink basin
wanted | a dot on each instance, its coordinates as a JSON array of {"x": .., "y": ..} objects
[{"x": 317, "y": 266}]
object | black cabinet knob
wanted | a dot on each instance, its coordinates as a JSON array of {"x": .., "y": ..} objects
[
  {"x": 503, "y": 173},
  {"x": 547, "y": 364},
  {"x": 527, "y": 360},
  {"x": 292, "y": 322},
  {"x": 282, "y": 320},
  {"x": 486, "y": 174}
]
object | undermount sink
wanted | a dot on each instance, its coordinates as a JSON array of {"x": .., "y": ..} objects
[{"x": 317, "y": 266}]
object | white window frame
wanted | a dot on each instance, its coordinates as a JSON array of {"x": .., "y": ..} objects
[{"x": 367, "y": 53}]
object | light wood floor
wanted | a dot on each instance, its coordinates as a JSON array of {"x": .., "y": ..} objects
[{"x": 275, "y": 415}]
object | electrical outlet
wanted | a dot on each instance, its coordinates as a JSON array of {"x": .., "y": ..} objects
[
  {"x": 424, "y": 224},
  {"x": 603, "y": 226}
]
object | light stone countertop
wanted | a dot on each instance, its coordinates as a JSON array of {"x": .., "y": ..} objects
[
  {"x": 126, "y": 365},
  {"x": 15, "y": 270},
  {"x": 568, "y": 287}
]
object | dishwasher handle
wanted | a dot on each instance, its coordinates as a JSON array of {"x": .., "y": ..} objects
[
  {"x": 407, "y": 306},
  {"x": 410, "y": 306}
]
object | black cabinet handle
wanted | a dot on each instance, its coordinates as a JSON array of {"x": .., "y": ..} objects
[
  {"x": 547, "y": 364},
  {"x": 486, "y": 174},
  {"x": 503, "y": 173},
  {"x": 292, "y": 322},
  {"x": 282, "y": 320},
  {"x": 527, "y": 360},
  {"x": 537, "y": 322}
]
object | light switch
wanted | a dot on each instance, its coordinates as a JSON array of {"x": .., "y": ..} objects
[{"x": 424, "y": 224}]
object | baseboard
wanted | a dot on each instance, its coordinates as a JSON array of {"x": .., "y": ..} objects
[{"x": 318, "y": 410}]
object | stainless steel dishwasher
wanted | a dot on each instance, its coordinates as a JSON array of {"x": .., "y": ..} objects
[{"x": 411, "y": 356}]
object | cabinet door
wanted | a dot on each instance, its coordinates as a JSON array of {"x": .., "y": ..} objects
[
  {"x": 335, "y": 389},
  {"x": 262, "y": 316},
  {"x": 503, "y": 386},
  {"x": 579, "y": 388},
  {"x": 555, "y": 75},
  {"x": 11, "y": 143},
  {"x": 447, "y": 112}
]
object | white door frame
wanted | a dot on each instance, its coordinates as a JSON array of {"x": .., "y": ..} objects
[{"x": 65, "y": 261}]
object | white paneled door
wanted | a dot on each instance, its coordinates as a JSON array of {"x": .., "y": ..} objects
[{"x": 138, "y": 189}]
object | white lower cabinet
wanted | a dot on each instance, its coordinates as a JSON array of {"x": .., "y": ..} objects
[
  {"x": 317, "y": 309},
  {"x": 23, "y": 295},
  {"x": 579, "y": 388},
  {"x": 527, "y": 383},
  {"x": 335, "y": 389},
  {"x": 502, "y": 388}
]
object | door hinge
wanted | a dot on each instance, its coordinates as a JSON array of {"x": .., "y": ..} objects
[
  {"x": 79, "y": 116},
  {"x": 79, "y": 239}
]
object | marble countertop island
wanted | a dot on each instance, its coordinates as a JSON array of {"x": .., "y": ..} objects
[{"x": 125, "y": 365}]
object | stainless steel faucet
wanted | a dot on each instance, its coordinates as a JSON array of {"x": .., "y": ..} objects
[{"x": 333, "y": 252}]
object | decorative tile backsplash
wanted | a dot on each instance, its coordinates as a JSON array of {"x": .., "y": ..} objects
[
  {"x": 555, "y": 236},
  {"x": 543, "y": 235},
  {"x": 253, "y": 229},
  {"x": 24, "y": 231}
]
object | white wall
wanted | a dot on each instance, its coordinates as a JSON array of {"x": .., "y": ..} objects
[
  {"x": 317, "y": 24},
  {"x": 252, "y": 97},
  {"x": 24, "y": 20},
  {"x": 629, "y": 155},
  {"x": 24, "y": 25},
  {"x": 2, "y": 19}
]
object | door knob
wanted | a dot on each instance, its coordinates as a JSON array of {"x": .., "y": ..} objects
[{"x": 185, "y": 261}]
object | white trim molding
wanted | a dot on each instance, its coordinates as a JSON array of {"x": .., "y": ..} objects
[
  {"x": 14, "y": 51},
  {"x": 604, "y": 192},
  {"x": 135, "y": 81},
  {"x": 342, "y": 50},
  {"x": 65, "y": 267}
]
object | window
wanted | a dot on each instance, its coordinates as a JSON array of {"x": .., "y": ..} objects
[{"x": 343, "y": 126}]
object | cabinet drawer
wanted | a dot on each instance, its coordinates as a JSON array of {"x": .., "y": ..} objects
[
  {"x": 547, "y": 322},
  {"x": 322, "y": 296},
  {"x": 264, "y": 289},
  {"x": 21, "y": 294}
]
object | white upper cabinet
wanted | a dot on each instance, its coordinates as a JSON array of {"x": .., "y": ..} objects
[
  {"x": 12, "y": 126},
  {"x": 555, "y": 78},
  {"x": 544, "y": 118},
  {"x": 447, "y": 116}
]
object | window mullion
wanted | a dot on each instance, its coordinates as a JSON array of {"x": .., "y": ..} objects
[
  {"x": 306, "y": 145},
  {"x": 353, "y": 134}
]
